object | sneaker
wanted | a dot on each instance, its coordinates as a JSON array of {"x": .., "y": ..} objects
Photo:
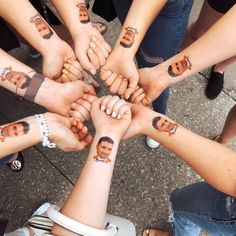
[
  {"x": 33, "y": 53},
  {"x": 152, "y": 143},
  {"x": 215, "y": 84},
  {"x": 17, "y": 164}
]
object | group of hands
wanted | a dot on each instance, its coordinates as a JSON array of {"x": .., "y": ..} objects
[{"x": 76, "y": 99}]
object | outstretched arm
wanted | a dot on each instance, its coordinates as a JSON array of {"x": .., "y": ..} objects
[
  {"x": 212, "y": 161},
  {"x": 91, "y": 191},
  {"x": 216, "y": 45}
]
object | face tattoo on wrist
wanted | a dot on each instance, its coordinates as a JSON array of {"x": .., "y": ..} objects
[
  {"x": 163, "y": 125},
  {"x": 104, "y": 149},
  {"x": 83, "y": 13},
  {"x": 178, "y": 68},
  {"x": 19, "y": 79},
  {"x": 128, "y": 38},
  {"x": 13, "y": 130},
  {"x": 42, "y": 27}
]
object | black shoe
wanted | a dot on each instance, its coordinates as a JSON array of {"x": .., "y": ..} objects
[
  {"x": 215, "y": 84},
  {"x": 17, "y": 164}
]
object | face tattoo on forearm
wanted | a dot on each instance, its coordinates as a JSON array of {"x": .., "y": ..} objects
[
  {"x": 104, "y": 149},
  {"x": 42, "y": 27},
  {"x": 13, "y": 130},
  {"x": 128, "y": 38},
  {"x": 163, "y": 125},
  {"x": 178, "y": 68},
  {"x": 19, "y": 79},
  {"x": 83, "y": 13}
]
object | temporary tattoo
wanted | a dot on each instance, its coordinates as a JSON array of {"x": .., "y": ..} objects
[
  {"x": 13, "y": 130},
  {"x": 178, "y": 68},
  {"x": 33, "y": 87},
  {"x": 42, "y": 27},
  {"x": 163, "y": 125},
  {"x": 83, "y": 13},
  {"x": 104, "y": 149},
  {"x": 19, "y": 79},
  {"x": 128, "y": 38}
]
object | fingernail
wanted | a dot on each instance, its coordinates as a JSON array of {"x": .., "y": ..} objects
[
  {"x": 73, "y": 105},
  {"x": 127, "y": 97},
  {"x": 113, "y": 114},
  {"x": 118, "y": 117},
  {"x": 94, "y": 39},
  {"x": 108, "y": 111},
  {"x": 103, "y": 108},
  {"x": 90, "y": 51},
  {"x": 93, "y": 45},
  {"x": 92, "y": 71},
  {"x": 65, "y": 72},
  {"x": 66, "y": 66}
]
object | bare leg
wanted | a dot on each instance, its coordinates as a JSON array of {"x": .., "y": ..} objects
[{"x": 229, "y": 130}]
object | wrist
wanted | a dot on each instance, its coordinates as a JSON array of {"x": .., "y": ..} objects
[
  {"x": 161, "y": 72},
  {"x": 116, "y": 136}
]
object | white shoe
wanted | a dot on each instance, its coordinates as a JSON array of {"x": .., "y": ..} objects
[{"x": 152, "y": 143}]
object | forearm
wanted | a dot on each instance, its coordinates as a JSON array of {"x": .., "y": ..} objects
[
  {"x": 212, "y": 161},
  {"x": 19, "y": 135},
  {"x": 91, "y": 191},
  {"x": 29, "y": 24},
  {"x": 70, "y": 13},
  {"x": 140, "y": 16},
  {"x": 18, "y": 77},
  {"x": 216, "y": 45}
]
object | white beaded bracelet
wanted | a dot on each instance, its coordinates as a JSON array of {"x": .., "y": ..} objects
[{"x": 44, "y": 131}]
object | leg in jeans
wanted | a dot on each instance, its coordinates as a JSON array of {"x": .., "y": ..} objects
[
  {"x": 163, "y": 38},
  {"x": 200, "y": 206},
  {"x": 7, "y": 159}
]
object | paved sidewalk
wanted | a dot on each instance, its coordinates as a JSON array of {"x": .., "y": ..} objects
[{"x": 143, "y": 178}]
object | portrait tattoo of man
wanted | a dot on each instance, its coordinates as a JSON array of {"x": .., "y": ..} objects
[
  {"x": 19, "y": 79},
  {"x": 163, "y": 125},
  {"x": 42, "y": 27},
  {"x": 104, "y": 149},
  {"x": 128, "y": 38},
  {"x": 83, "y": 13},
  {"x": 13, "y": 130},
  {"x": 178, "y": 68}
]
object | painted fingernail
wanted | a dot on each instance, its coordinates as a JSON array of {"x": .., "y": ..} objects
[
  {"x": 108, "y": 111},
  {"x": 93, "y": 45},
  {"x": 118, "y": 117},
  {"x": 92, "y": 71},
  {"x": 103, "y": 108},
  {"x": 90, "y": 51},
  {"x": 113, "y": 114}
]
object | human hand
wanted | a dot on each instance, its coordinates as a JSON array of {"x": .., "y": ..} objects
[
  {"x": 90, "y": 47},
  {"x": 151, "y": 85},
  {"x": 69, "y": 134},
  {"x": 120, "y": 74},
  {"x": 111, "y": 114}
]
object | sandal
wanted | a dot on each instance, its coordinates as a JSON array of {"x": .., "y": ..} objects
[
  {"x": 17, "y": 164},
  {"x": 155, "y": 232},
  {"x": 100, "y": 26}
]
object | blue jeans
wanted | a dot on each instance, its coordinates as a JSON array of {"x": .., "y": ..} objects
[
  {"x": 163, "y": 38},
  {"x": 200, "y": 206},
  {"x": 6, "y": 159}
]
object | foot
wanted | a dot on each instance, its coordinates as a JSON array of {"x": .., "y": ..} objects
[
  {"x": 215, "y": 84},
  {"x": 152, "y": 143},
  {"x": 155, "y": 232}
]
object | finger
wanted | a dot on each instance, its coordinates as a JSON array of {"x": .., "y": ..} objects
[
  {"x": 124, "y": 112},
  {"x": 138, "y": 99},
  {"x": 89, "y": 98},
  {"x": 83, "y": 133},
  {"x": 87, "y": 105},
  {"x": 93, "y": 58},
  {"x": 115, "y": 85},
  {"x": 70, "y": 76},
  {"x": 104, "y": 74},
  {"x": 89, "y": 139},
  {"x": 76, "y": 114},
  {"x": 137, "y": 93},
  {"x": 123, "y": 87},
  {"x": 77, "y": 65},
  {"x": 82, "y": 110},
  {"x": 103, "y": 102},
  {"x": 109, "y": 105},
  {"x": 65, "y": 78},
  {"x": 87, "y": 65},
  {"x": 131, "y": 88},
  {"x": 108, "y": 82},
  {"x": 101, "y": 46},
  {"x": 76, "y": 124},
  {"x": 89, "y": 89},
  {"x": 145, "y": 101},
  {"x": 116, "y": 107},
  {"x": 99, "y": 53},
  {"x": 73, "y": 70}
]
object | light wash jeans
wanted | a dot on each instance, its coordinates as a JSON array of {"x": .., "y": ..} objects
[
  {"x": 163, "y": 38},
  {"x": 200, "y": 206}
]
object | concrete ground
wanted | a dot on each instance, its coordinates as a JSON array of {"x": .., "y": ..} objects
[{"x": 143, "y": 179}]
